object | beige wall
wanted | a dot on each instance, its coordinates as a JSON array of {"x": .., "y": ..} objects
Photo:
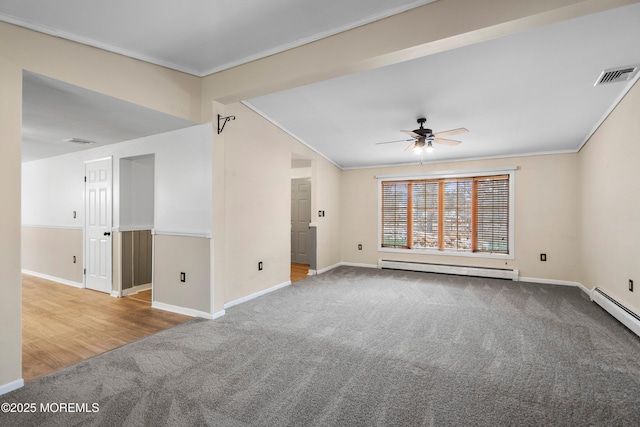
[
  {"x": 546, "y": 205},
  {"x": 398, "y": 38},
  {"x": 176, "y": 254},
  {"x": 10, "y": 289},
  {"x": 610, "y": 205},
  {"x": 257, "y": 204},
  {"x": 50, "y": 251},
  {"x": 115, "y": 75}
]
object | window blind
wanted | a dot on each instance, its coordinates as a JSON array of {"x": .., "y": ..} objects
[{"x": 459, "y": 214}]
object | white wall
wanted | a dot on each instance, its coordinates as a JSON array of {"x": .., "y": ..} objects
[
  {"x": 53, "y": 188},
  {"x": 137, "y": 178}
]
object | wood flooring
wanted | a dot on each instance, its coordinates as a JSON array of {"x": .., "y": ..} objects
[
  {"x": 299, "y": 272},
  {"x": 63, "y": 325}
]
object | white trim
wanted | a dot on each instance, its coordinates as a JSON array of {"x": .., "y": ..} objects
[
  {"x": 460, "y": 173},
  {"x": 556, "y": 282},
  {"x": 181, "y": 310},
  {"x": 199, "y": 235},
  {"x": 312, "y": 272},
  {"x": 331, "y": 267},
  {"x": 53, "y": 227},
  {"x": 116, "y": 294},
  {"x": 134, "y": 290},
  {"x": 357, "y": 264},
  {"x": 53, "y": 278},
  {"x": 256, "y": 294},
  {"x": 291, "y": 134},
  {"x": 132, "y": 228},
  {"x": 463, "y": 159},
  {"x": 212, "y": 276},
  {"x": 13, "y": 385},
  {"x": 218, "y": 314},
  {"x": 466, "y": 173}
]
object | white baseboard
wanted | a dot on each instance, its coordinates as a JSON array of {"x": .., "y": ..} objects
[
  {"x": 218, "y": 314},
  {"x": 53, "y": 278},
  {"x": 181, "y": 310},
  {"x": 557, "y": 282},
  {"x": 116, "y": 294},
  {"x": 13, "y": 385},
  {"x": 312, "y": 272},
  {"x": 136, "y": 289},
  {"x": 331, "y": 267},
  {"x": 357, "y": 264},
  {"x": 256, "y": 295}
]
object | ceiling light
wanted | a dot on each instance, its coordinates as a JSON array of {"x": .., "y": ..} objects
[
  {"x": 429, "y": 148},
  {"x": 79, "y": 141}
]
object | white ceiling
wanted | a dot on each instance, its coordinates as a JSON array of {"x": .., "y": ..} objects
[
  {"x": 198, "y": 36},
  {"x": 53, "y": 111},
  {"x": 527, "y": 93}
]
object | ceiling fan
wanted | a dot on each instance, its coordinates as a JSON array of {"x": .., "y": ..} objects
[{"x": 423, "y": 138}]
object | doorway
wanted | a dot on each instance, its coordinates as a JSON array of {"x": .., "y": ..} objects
[{"x": 98, "y": 222}]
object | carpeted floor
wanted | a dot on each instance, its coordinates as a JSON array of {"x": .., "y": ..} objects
[{"x": 365, "y": 347}]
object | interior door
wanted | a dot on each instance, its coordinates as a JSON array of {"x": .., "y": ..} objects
[
  {"x": 97, "y": 232},
  {"x": 300, "y": 219}
]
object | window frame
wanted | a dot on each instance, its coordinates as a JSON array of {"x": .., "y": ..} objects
[{"x": 454, "y": 175}]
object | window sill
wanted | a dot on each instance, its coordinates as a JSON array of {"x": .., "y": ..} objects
[{"x": 487, "y": 255}]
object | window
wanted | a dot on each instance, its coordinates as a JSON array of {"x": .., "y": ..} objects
[{"x": 454, "y": 214}]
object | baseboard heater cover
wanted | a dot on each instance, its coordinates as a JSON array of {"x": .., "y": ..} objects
[
  {"x": 496, "y": 273},
  {"x": 624, "y": 315}
]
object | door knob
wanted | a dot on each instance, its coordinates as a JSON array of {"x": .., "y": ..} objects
[{"x": 107, "y": 233}]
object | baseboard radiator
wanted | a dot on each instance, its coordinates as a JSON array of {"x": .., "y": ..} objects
[
  {"x": 624, "y": 315},
  {"x": 497, "y": 273}
]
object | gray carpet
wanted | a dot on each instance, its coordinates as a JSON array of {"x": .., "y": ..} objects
[{"x": 366, "y": 347}]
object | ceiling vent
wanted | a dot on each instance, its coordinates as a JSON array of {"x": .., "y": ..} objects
[
  {"x": 622, "y": 74},
  {"x": 79, "y": 141}
]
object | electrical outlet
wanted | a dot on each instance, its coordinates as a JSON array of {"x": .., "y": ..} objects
[
  {"x": 260, "y": 266},
  {"x": 74, "y": 259},
  {"x": 359, "y": 246},
  {"x": 183, "y": 277},
  {"x": 543, "y": 257},
  {"x": 630, "y": 285}
]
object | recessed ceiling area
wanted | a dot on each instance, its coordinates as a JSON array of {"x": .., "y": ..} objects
[
  {"x": 529, "y": 93},
  {"x": 53, "y": 111}
]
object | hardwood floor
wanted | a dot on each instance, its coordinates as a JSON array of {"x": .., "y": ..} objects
[
  {"x": 299, "y": 272},
  {"x": 63, "y": 325}
]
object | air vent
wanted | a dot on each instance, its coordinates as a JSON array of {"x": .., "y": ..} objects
[
  {"x": 622, "y": 74},
  {"x": 79, "y": 141}
]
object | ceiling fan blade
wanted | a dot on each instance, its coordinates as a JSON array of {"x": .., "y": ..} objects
[
  {"x": 451, "y": 132},
  {"x": 393, "y": 142},
  {"x": 410, "y": 146},
  {"x": 446, "y": 141},
  {"x": 412, "y": 133}
]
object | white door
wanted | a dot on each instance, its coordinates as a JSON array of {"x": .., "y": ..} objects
[
  {"x": 300, "y": 219},
  {"x": 97, "y": 230}
]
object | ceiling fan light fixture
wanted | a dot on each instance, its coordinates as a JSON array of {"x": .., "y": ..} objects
[{"x": 429, "y": 148}]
